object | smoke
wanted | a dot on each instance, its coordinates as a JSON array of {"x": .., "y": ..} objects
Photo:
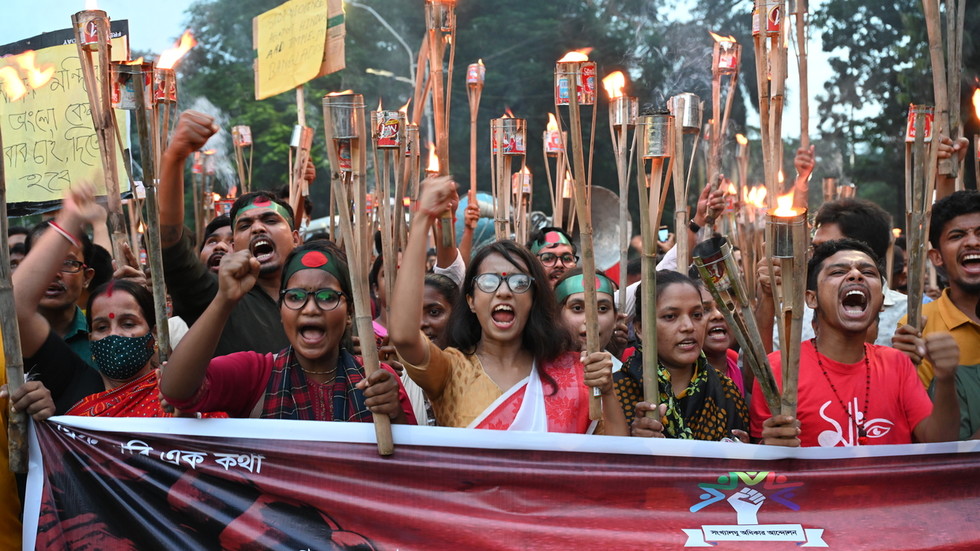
[{"x": 225, "y": 172}]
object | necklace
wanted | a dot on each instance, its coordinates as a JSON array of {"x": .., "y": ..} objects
[
  {"x": 312, "y": 372},
  {"x": 862, "y": 434}
]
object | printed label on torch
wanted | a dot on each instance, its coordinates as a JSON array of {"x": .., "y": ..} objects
[
  {"x": 586, "y": 83},
  {"x": 910, "y": 128}
]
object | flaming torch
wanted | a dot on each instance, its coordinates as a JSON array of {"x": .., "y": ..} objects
[
  {"x": 921, "y": 160},
  {"x": 623, "y": 111},
  {"x": 508, "y": 139},
  {"x": 726, "y": 59},
  {"x": 92, "y": 39},
  {"x": 11, "y": 70},
  {"x": 440, "y": 24},
  {"x": 521, "y": 192},
  {"x": 575, "y": 86},
  {"x": 241, "y": 137},
  {"x": 344, "y": 130},
  {"x": 787, "y": 241},
  {"x": 655, "y": 140}
]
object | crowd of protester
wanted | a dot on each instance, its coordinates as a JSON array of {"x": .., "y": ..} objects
[{"x": 262, "y": 327}]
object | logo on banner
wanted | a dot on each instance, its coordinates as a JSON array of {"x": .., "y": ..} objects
[{"x": 746, "y": 493}]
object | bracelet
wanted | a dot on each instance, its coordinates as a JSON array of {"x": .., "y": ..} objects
[
  {"x": 694, "y": 227},
  {"x": 71, "y": 239}
]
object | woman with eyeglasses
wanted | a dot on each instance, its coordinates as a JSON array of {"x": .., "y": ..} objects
[
  {"x": 510, "y": 364},
  {"x": 314, "y": 378}
]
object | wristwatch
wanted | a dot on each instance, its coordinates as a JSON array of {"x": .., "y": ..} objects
[{"x": 694, "y": 227}]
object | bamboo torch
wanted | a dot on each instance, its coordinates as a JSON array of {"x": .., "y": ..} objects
[
  {"x": 769, "y": 35},
  {"x": 344, "y": 130},
  {"x": 508, "y": 140},
  {"x": 655, "y": 141},
  {"x": 623, "y": 111},
  {"x": 787, "y": 242},
  {"x": 919, "y": 189},
  {"x": 241, "y": 137},
  {"x": 726, "y": 59},
  {"x": 686, "y": 109},
  {"x": 940, "y": 83},
  {"x": 388, "y": 140},
  {"x": 92, "y": 40},
  {"x": 475, "y": 75},
  {"x": 553, "y": 142},
  {"x": 14, "y": 88},
  {"x": 440, "y": 23},
  {"x": 575, "y": 86}
]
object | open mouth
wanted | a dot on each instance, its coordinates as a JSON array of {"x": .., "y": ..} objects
[
  {"x": 215, "y": 260},
  {"x": 311, "y": 333},
  {"x": 854, "y": 302},
  {"x": 718, "y": 331},
  {"x": 971, "y": 262},
  {"x": 262, "y": 248},
  {"x": 688, "y": 344},
  {"x": 503, "y": 315}
]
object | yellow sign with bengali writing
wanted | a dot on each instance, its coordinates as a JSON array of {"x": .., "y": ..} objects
[
  {"x": 296, "y": 43},
  {"x": 49, "y": 140}
]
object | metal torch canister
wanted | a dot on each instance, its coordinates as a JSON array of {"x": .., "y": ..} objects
[
  {"x": 623, "y": 110},
  {"x": 829, "y": 189},
  {"x": 846, "y": 191},
  {"x": 387, "y": 127},
  {"x": 915, "y": 112},
  {"x": 513, "y": 134},
  {"x": 345, "y": 109},
  {"x": 241, "y": 135},
  {"x": 583, "y": 73},
  {"x": 440, "y": 15},
  {"x": 728, "y": 55},
  {"x": 716, "y": 264},
  {"x": 91, "y": 23},
  {"x": 122, "y": 88},
  {"x": 656, "y": 135},
  {"x": 780, "y": 231},
  {"x": 687, "y": 107},
  {"x": 553, "y": 140},
  {"x": 164, "y": 85},
  {"x": 774, "y": 18},
  {"x": 475, "y": 74}
]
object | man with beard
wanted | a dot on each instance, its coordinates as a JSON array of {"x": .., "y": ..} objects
[
  {"x": 555, "y": 250},
  {"x": 852, "y": 392},
  {"x": 260, "y": 223},
  {"x": 955, "y": 237}
]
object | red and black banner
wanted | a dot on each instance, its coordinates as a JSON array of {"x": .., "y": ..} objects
[{"x": 248, "y": 484}]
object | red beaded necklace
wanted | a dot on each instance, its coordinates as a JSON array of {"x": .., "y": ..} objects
[{"x": 862, "y": 434}]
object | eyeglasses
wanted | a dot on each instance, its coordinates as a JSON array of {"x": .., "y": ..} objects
[
  {"x": 71, "y": 267},
  {"x": 517, "y": 283},
  {"x": 549, "y": 259},
  {"x": 296, "y": 299}
]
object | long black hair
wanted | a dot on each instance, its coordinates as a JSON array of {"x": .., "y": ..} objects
[{"x": 544, "y": 336}]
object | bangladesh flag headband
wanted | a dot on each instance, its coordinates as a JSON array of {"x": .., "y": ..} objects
[
  {"x": 551, "y": 239},
  {"x": 572, "y": 285},
  {"x": 261, "y": 202},
  {"x": 314, "y": 260}
]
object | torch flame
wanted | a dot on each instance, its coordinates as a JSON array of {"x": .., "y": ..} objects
[
  {"x": 784, "y": 206},
  {"x": 756, "y": 196},
  {"x": 525, "y": 170},
  {"x": 976, "y": 102},
  {"x": 209, "y": 152},
  {"x": 725, "y": 41},
  {"x": 731, "y": 189},
  {"x": 480, "y": 61},
  {"x": 742, "y": 140},
  {"x": 404, "y": 108},
  {"x": 137, "y": 61},
  {"x": 10, "y": 77},
  {"x": 216, "y": 196},
  {"x": 508, "y": 114},
  {"x": 170, "y": 57},
  {"x": 433, "y": 165},
  {"x": 379, "y": 104},
  {"x": 552, "y": 123},
  {"x": 614, "y": 84},
  {"x": 344, "y": 93},
  {"x": 576, "y": 56},
  {"x": 896, "y": 232}
]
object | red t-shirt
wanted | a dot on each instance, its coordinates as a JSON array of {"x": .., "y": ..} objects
[{"x": 897, "y": 402}]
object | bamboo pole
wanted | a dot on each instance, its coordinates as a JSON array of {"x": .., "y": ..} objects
[
  {"x": 939, "y": 82},
  {"x": 801, "y": 62},
  {"x": 572, "y": 71},
  {"x": 10, "y": 333},
  {"x": 915, "y": 207},
  {"x": 475, "y": 75},
  {"x": 357, "y": 239}
]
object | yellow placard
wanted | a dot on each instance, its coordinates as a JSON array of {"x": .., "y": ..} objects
[
  {"x": 49, "y": 140},
  {"x": 295, "y": 43}
]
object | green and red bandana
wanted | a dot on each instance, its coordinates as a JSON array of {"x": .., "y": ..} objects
[
  {"x": 570, "y": 286},
  {"x": 314, "y": 260},
  {"x": 260, "y": 202},
  {"x": 551, "y": 239}
]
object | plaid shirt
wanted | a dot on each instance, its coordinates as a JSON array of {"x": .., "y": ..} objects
[{"x": 287, "y": 395}]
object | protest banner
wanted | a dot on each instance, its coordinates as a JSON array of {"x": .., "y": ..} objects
[
  {"x": 269, "y": 484},
  {"x": 295, "y": 43},
  {"x": 49, "y": 140}
]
